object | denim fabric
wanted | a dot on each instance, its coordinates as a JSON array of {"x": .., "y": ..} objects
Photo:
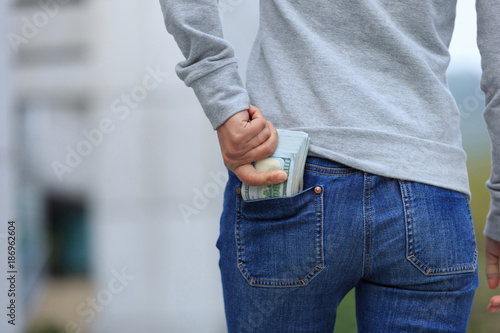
[{"x": 407, "y": 248}]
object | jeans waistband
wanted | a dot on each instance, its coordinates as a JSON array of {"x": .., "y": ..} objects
[{"x": 318, "y": 161}]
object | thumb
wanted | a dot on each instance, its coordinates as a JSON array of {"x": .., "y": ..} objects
[{"x": 249, "y": 175}]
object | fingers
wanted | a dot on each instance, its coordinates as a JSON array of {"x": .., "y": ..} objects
[
  {"x": 257, "y": 129},
  {"x": 241, "y": 133},
  {"x": 263, "y": 150},
  {"x": 255, "y": 112},
  {"x": 247, "y": 137},
  {"x": 269, "y": 134},
  {"x": 248, "y": 175},
  {"x": 242, "y": 127},
  {"x": 260, "y": 147},
  {"x": 492, "y": 262},
  {"x": 492, "y": 271},
  {"x": 255, "y": 124},
  {"x": 494, "y": 305}
]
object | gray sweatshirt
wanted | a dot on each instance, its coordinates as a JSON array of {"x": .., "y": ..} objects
[{"x": 366, "y": 79}]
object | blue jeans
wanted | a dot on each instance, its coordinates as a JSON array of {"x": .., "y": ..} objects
[{"x": 407, "y": 248}]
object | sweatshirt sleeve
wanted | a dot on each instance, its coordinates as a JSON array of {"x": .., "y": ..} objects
[
  {"x": 488, "y": 40},
  {"x": 210, "y": 67}
]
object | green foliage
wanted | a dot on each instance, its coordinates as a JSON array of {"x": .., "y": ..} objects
[{"x": 346, "y": 315}]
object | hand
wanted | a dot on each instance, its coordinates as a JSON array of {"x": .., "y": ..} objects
[
  {"x": 247, "y": 137},
  {"x": 493, "y": 271}
]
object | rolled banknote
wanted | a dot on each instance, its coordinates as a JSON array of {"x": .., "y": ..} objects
[{"x": 289, "y": 156}]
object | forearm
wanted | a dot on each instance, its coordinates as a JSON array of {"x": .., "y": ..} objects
[{"x": 210, "y": 67}]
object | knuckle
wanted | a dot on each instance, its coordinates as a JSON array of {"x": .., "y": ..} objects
[
  {"x": 237, "y": 140},
  {"x": 237, "y": 136},
  {"x": 266, "y": 133},
  {"x": 268, "y": 148},
  {"x": 260, "y": 123}
]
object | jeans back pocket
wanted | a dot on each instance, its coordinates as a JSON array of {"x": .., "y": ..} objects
[
  {"x": 440, "y": 236},
  {"x": 280, "y": 240}
]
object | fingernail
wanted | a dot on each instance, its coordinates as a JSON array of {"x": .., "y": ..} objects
[{"x": 281, "y": 177}]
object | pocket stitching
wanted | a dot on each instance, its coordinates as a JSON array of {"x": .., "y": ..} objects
[
  {"x": 319, "y": 260},
  {"x": 410, "y": 248}
]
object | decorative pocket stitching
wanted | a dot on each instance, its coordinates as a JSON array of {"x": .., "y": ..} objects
[
  {"x": 319, "y": 259},
  {"x": 410, "y": 248}
]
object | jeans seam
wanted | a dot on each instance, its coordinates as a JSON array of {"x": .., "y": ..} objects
[
  {"x": 319, "y": 230},
  {"x": 239, "y": 246},
  {"x": 364, "y": 226},
  {"x": 333, "y": 174},
  {"x": 366, "y": 214},
  {"x": 367, "y": 225},
  {"x": 408, "y": 218},
  {"x": 448, "y": 269},
  {"x": 370, "y": 222},
  {"x": 327, "y": 168}
]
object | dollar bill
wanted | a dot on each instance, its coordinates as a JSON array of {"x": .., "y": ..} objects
[
  {"x": 290, "y": 156},
  {"x": 268, "y": 191}
]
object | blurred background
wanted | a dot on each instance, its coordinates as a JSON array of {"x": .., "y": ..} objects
[{"x": 114, "y": 177}]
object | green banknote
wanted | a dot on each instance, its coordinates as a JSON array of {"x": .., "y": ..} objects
[{"x": 289, "y": 156}]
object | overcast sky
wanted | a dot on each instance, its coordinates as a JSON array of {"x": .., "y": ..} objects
[{"x": 463, "y": 46}]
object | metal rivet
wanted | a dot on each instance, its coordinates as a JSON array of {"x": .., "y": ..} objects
[
  {"x": 318, "y": 190},
  {"x": 238, "y": 190}
]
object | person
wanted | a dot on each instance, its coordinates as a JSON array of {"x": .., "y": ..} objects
[{"x": 385, "y": 207}]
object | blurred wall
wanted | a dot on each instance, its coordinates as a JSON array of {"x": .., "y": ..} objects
[
  {"x": 7, "y": 174},
  {"x": 157, "y": 196},
  {"x": 104, "y": 121}
]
